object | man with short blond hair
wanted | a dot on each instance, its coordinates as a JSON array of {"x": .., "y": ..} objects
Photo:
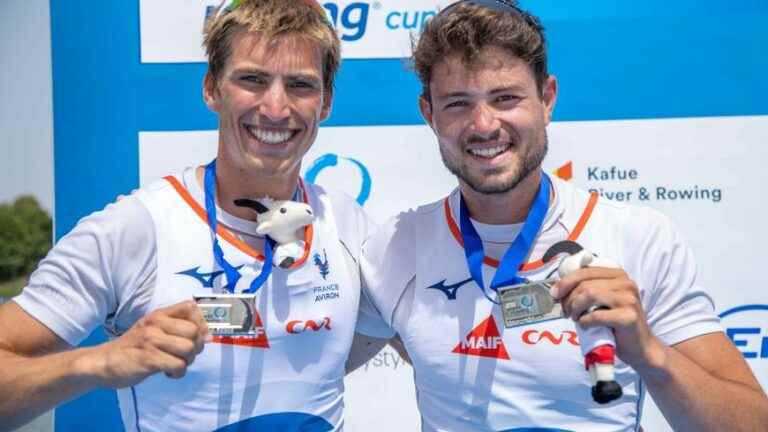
[
  {"x": 135, "y": 266},
  {"x": 436, "y": 272}
]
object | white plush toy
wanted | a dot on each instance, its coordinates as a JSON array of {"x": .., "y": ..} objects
[
  {"x": 598, "y": 344},
  {"x": 283, "y": 222}
]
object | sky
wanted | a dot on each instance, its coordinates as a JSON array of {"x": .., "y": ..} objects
[{"x": 26, "y": 123}]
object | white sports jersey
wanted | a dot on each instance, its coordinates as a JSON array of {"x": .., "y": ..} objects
[
  {"x": 289, "y": 378},
  {"x": 473, "y": 374}
]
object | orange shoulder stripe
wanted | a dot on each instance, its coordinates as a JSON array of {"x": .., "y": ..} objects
[
  {"x": 532, "y": 265},
  {"x": 228, "y": 235}
]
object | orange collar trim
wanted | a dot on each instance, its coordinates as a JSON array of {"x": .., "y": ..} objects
[
  {"x": 230, "y": 237},
  {"x": 531, "y": 265}
]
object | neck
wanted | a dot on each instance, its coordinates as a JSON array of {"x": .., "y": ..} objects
[
  {"x": 233, "y": 183},
  {"x": 505, "y": 208}
]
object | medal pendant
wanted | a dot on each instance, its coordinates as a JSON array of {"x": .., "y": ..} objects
[
  {"x": 229, "y": 314},
  {"x": 529, "y": 303}
]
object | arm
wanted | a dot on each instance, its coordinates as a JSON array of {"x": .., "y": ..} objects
[
  {"x": 704, "y": 384},
  {"x": 38, "y": 372},
  {"x": 35, "y": 375},
  {"x": 93, "y": 270},
  {"x": 700, "y": 384}
]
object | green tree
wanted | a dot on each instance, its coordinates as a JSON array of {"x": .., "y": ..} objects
[{"x": 25, "y": 237}]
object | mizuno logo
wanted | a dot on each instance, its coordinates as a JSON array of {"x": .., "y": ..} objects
[
  {"x": 449, "y": 290},
  {"x": 483, "y": 341},
  {"x": 206, "y": 279}
]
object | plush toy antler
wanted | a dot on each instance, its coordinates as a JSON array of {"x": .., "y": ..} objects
[
  {"x": 282, "y": 221},
  {"x": 598, "y": 345}
]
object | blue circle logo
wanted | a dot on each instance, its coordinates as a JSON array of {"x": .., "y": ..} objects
[{"x": 331, "y": 160}]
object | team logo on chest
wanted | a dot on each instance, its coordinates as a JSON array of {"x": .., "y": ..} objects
[
  {"x": 329, "y": 291},
  {"x": 483, "y": 341},
  {"x": 322, "y": 264}
]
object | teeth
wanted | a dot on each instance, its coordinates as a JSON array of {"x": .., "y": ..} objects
[
  {"x": 489, "y": 152},
  {"x": 270, "y": 137}
]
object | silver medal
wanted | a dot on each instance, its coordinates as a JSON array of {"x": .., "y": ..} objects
[
  {"x": 529, "y": 303},
  {"x": 229, "y": 314}
]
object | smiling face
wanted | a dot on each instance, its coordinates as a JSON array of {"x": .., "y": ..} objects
[
  {"x": 270, "y": 99},
  {"x": 489, "y": 118}
]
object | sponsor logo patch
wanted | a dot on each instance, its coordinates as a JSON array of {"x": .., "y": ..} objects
[
  {"x": 533, "y": 337},
  {"x": 449, "y": 290},
  {"x": 205, "y": 279},
  {"x": 300, "y": 326},
  {"x": 483, "y": 341}
]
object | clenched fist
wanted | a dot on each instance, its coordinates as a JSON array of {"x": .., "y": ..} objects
[{"x": 167, "y": 340}]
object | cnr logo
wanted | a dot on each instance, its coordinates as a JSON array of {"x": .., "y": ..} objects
[
  {"x": 532, "y": 337},
  {"x": 746, "y": 327},
  {"x": 351, "y": 20},
  {"x": 299, "y": 326}
]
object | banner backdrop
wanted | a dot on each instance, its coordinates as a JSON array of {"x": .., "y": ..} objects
[{"x": 661, "y": 104}]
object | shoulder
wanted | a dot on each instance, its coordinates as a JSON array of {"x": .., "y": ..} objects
[
  {"x": 91, "y": 270},
  {"x": 158, "y": 190},
  {"x": 117, "y": 239},
  {"x": 399, "y": 231},
  {"x": 126, "y": 215},
  {"x": 391, "y": 253},
  {"x": 635, "y": 225},
  {"x": 352, "y": 224},
  {"x": 617, "y": 219},
  {"x": 395, "y": 239}
]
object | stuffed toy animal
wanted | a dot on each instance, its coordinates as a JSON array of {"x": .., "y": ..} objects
[
  {"x": 283, "y": 222},
  {"x": 598, "y": 344}
]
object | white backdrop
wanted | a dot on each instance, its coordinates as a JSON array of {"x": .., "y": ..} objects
[{"x": 665, "y": 158}]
